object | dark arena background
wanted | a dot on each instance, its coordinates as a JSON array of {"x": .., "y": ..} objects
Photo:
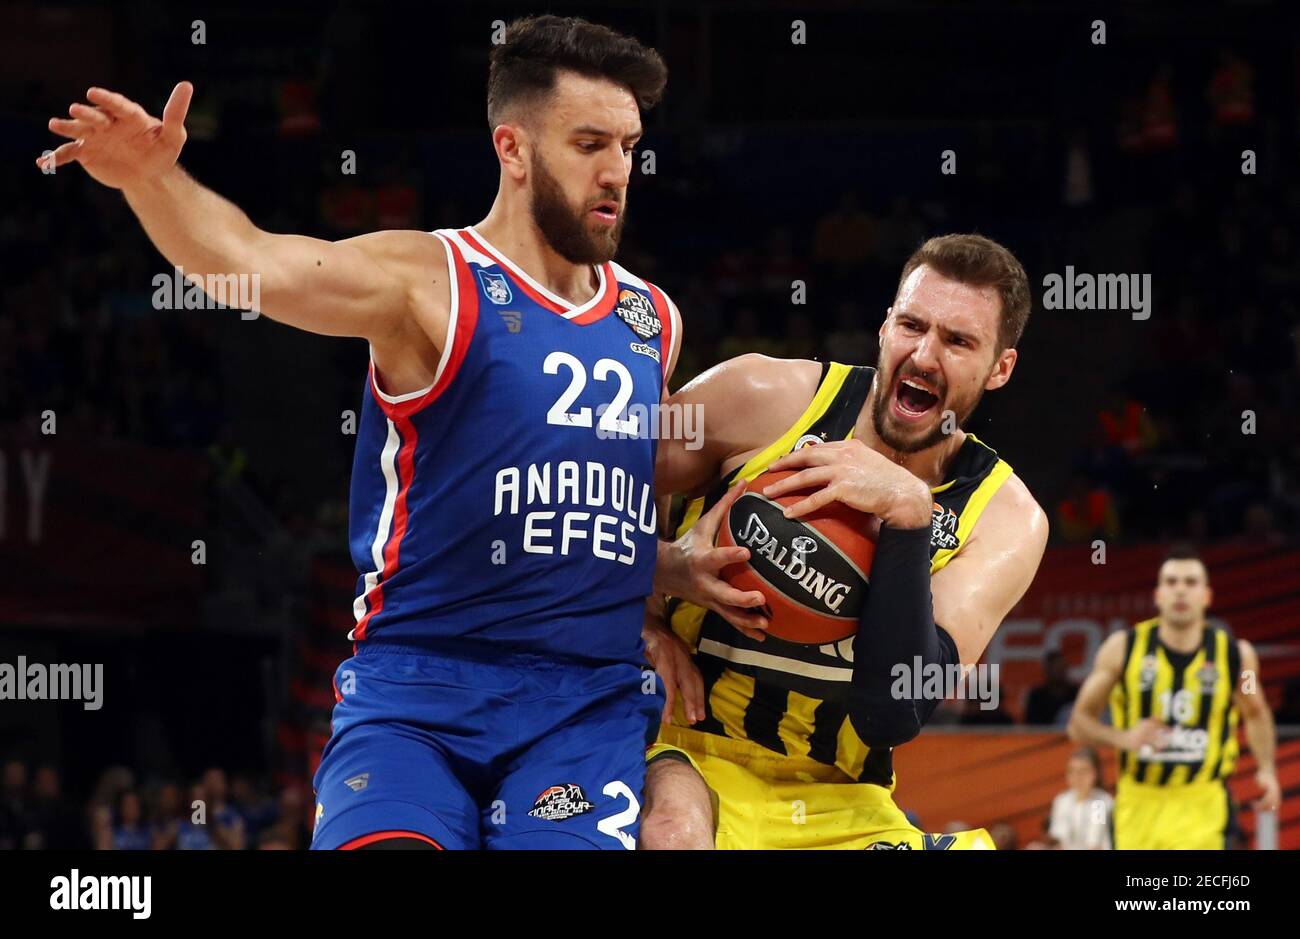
[{"x": 173, "y": 483}]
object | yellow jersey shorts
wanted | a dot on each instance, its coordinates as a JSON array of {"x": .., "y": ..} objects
[
  {"x": 766, "y": 800},
  {"x": 1186, "y": 817}
]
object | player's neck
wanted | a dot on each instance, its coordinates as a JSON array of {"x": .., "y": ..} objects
[
  {"x": 513, "y": 233},
  {"x": 1181, "y": 638},
  {"x": 929, "y": 465}
]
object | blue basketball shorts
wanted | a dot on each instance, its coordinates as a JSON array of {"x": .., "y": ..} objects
[{"x": 472, "y": 751}]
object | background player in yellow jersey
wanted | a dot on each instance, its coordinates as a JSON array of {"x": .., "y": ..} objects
[
  {"x": 1177, "y": 688},
  {"x": 794, "y": 740}
]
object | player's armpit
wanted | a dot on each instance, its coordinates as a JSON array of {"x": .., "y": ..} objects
[{"x": 975, "y": 591}]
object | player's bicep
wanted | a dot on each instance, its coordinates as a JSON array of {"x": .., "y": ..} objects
[
  {"x": 353, "y": 287},
  {"x": 975, "y": 591}
]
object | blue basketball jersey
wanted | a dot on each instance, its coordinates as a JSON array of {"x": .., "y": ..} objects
[{"x": 512, "y": 501}]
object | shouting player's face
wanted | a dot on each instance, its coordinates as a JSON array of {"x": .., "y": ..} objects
[
  {"x": 1183, "y": 592},
  {"x": 580, "y": 167},
  {"x": 938, "y": 354}
]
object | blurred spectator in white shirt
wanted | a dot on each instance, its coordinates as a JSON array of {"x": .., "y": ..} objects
[{"x": 1081, "y": 815}]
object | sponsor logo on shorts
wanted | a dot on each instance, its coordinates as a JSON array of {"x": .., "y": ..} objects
[
  {"x": 635, "y": 310},
  {"x": 560, "y": 802},
  {"x": 496, "y": 287},
  {"x": 889, "y": 846}
]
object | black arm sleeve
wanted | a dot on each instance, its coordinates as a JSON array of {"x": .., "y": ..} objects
[{"x": 896, "y": 635}]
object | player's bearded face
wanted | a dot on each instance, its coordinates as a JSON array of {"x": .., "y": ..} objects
[
  {"x": 569, "y": 228},
  {"x": 909, "y": 405}
]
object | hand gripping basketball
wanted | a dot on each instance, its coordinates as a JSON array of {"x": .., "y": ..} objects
[{"x": 689, "y": 568}]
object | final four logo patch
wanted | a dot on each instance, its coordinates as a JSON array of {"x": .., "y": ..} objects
[{"x": 635, "y": 310}]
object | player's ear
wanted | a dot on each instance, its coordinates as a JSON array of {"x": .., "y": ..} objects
[
  {"x": 1002, "y": 370},
  {"x": 511, "y": 142}
]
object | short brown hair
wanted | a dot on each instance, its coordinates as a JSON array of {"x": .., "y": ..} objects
[
  {"x": 537, "y": 47},
  {"x": 980, "y": 262}
]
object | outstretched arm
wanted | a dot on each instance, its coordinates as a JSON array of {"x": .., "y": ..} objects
[{"x": 358, "y": 287}]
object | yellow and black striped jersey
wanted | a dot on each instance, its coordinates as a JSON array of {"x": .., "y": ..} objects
[
  {"x": 789, "y": 697},
  {"x": 1189, "y": 691}
]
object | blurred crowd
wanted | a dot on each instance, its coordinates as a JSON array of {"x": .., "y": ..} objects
[
  {"x": 1194, "y": 435},
  {"x": 212, "y": 812}
]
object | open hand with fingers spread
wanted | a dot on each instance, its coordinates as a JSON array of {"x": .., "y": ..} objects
[
  {"x": 119, "y": 143},
  {"x": 689, "y": 568}
]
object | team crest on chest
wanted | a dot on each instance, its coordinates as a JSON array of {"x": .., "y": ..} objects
[
  {"x": 1147, "y": 672},
  {"x": 635, "y": 310},
  {"x": 496, "y": 287}
]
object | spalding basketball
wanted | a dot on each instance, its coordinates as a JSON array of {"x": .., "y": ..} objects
[{"x": 812, "y": 570}]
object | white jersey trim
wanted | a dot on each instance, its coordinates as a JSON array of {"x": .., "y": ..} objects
[
  {"x": 775, "y": 662},
  {"x": 388, "y": 466},
  {"x": 569, "y": 310},
  {"x": 447, "y": 343},
  {"x": 671, "y": 358},
  {"x": 627, "y": 277}
]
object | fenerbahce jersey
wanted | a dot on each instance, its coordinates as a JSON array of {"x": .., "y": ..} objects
[
  {"x": 511, "y": 502},
  {"x": 789, "y": 697},
  {"x": 1191, "y": 692}
]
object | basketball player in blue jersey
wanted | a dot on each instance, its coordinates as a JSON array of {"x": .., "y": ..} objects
[
  {"x": 502, "y": 510},
  {"x": 764, "y": 723}
]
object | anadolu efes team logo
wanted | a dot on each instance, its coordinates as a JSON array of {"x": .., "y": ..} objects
[
  {"x": 635, "y": 310},
  {"x": 496, "y": 287}
]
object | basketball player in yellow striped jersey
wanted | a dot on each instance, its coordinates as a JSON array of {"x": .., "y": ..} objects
[
  {"x": 1177, "y": 688},
  {"x": 775, "y": 744}
]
